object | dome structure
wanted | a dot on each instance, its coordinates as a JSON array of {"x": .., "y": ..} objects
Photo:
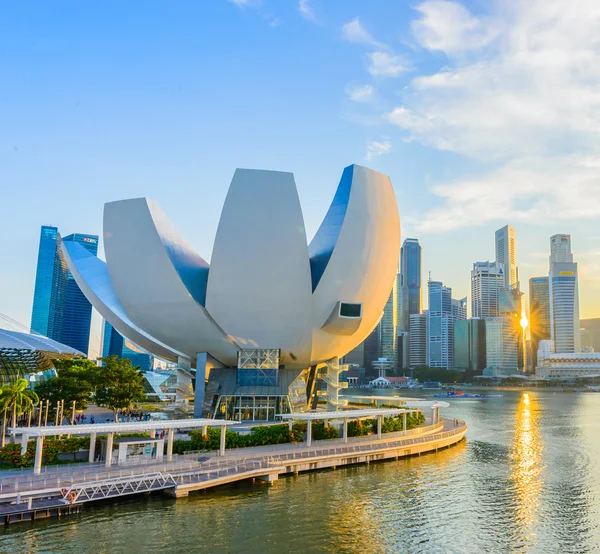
[{"x": 266, "y": 287}]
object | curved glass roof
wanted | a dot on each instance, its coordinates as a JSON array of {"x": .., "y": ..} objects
[{"x": 28, "y": 341}]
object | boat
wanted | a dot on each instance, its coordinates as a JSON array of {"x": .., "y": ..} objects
[
  {"x": 432, "y": 385},
  {"x": 457, "y": 395}
]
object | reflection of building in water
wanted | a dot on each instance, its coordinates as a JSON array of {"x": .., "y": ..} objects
[{"x": 526, "y": 466}]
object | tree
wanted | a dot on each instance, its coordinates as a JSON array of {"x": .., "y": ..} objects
[
  {"x": 119, "y": 384},
  {"x": 75, "y": 382},
  {"x": 17, "y": 398}
]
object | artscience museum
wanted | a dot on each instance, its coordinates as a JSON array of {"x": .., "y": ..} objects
[{"x": 255, "y": 331}]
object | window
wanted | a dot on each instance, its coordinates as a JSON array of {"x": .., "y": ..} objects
[{"x": 350, "y": 310}]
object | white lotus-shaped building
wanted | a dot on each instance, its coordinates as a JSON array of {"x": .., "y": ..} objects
[{"x": 266, "y": 293}]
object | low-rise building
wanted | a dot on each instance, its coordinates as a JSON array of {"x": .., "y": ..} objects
[{"x": 571, "y": 365}]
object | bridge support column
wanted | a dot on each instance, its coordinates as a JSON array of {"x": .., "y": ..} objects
[
  {"x": 170, "y": 438},
  {"x": 379, "y": 425},
  {"x": 223, "y": 438},
  {"x": 309, "y": 432},
  {"x": 345, "y": 430},
  {"x": 39, "y": 446},
  {"x": 92, "y": 453},
  {"x": 109, "y": 449},
  {"x": 24, "y": 440},
  {"x": 404, "y": 421}
]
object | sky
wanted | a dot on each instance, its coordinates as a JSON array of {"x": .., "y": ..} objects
[{"x": 483, "y": 113}]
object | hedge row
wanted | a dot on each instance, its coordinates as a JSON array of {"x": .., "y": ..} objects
[
  {"x": 281, "y": 434},
  {"x": 11, "y": 453}
]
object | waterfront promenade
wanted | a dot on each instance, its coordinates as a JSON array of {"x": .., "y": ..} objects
[{"x": 25, "y": 494}]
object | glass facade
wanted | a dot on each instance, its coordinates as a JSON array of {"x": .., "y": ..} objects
[
  {"x": 248, "y": 408},
  {"x": 60, "y": 310},
  {"x": 114, "y": 344},
  {"x": 258, "y": 367},
  {"x": 411, "y": 291}
]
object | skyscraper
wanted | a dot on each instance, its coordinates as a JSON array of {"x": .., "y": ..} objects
[
  {"x": 564, "y": 296},
  {"x": 388, "y": 325},
  {"x": 440, "y": 326},
  {"x": 459, "y": 308},
  {"x": 502, "y": 345},
  {"x": 60, "y": 310},
  {"x": 487, "y": 278},
  {"x": 114, "y": 344},
  {"x": 418, "y": 340},
  {"x": 410, "y": 282},
  {"x": 560, "y": 249},
  {"x": 469, "y": 345},
  {"x": 539, "y": 314},
  {"x": 506, "y": 254}
]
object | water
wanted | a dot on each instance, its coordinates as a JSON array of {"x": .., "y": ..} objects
[{"x": 526, "y": 480}]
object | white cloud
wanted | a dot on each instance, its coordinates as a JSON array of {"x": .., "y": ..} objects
[
  {"x": 451, "y": 28},
  {"x": 382, "y": 64},
  {"x": 360, "y": 93},
  {"x": 306, "y": 10},
  {"x": 521, "y": 92},
  {"x": 528, "y": 190},
  {"x": 353, "y": 31},
  {"x": 377, "y": 148},
  {"x": 240, "y": 3}
]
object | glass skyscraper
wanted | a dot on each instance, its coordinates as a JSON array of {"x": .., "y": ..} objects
[
  {"x": 411, "y": 297},
  {"x": 539, "y": 314},
  {"x": 114, "y": 344},
  {"x": 440, "y": 326},
  {"x": 564, "y": 296},
  {"x": 60, "y": 310}
]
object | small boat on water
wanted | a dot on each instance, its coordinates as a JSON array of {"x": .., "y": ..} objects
[{"x": 457, "y": 395}]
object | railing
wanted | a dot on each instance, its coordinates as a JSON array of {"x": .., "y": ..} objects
[{"x": 263, "y": 456}]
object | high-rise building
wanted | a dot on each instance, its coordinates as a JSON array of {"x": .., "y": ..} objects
[
  {"x": 506, "y": 254},
  {"x": 501, "y": 345},
  {"x": 411, "y": 290},
  {"x": 459, "y": 308},
  {"x": 114, "y": 344},
  {"x": 564, "y": 296},
  {"x": 539, "y": 314},
  {"x": 560, "y": 249},
  {"x": 487, "y": 278},
  {"x": 440, "y": 326},
  {"x": 60, "y": 310},
  {"x": 403, "y": 352},
  {"x": 418, "y": 340},
  {"x": 388, "y": 325},
  {"x": 469, "y": 345}
]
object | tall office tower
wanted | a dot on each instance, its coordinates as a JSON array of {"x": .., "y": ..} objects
[
  {"x": 410, "y": 282},
  {"x": 539, "y": 314},
  {"x": 502, "y": 345},
  {"x": 440, "y": 326},
  {"x": 459, "y": 308},
  {"x": 60, "y": 310},
  {"x": 469, "y": 345},
  {"x": 506, "y": 254},
  {"x": 114, "y": 344},
  {"x": 388, "y": 328},
  {"x": 560, "y": 249},
  {"x": 418, "y": 340},
  {"x": 403, "y": 352},
  {"x": 564, "y": 296},
  {"x": 487, "y": 278},
  {"x": 371, "y": 351}
]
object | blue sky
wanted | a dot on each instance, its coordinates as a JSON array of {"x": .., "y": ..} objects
[{"x": 482, "y": 113}]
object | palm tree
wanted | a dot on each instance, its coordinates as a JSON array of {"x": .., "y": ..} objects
[{"x": 18, "y": 398}]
